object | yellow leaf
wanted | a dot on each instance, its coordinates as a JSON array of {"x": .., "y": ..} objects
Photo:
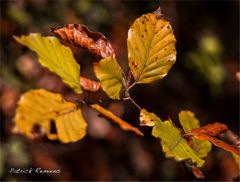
[
  {"x": 190, "y": 122},
  {"x": 146, "y": 118},
  {"x": 56, "y": 57},
  {"x": 173, "y": 143},
  {"x": 151, "y": 48},
  {"x": 237, "y": 159},
  {"x": 110, "y": 75},
  {"x": 123, "y": 124},
  {"x": 40, "y": 107}
]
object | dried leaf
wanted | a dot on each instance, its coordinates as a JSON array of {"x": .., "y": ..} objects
[
  {"x": 89, "y": 85},
  {"x": 79, "y": 35},
  {"x": 172, "y": 141},
  {"x": 123, "y": 124},
  {"x": 218, "y": 143},
  {"x": 151, "y": 48},
  {"x": 190, "y": 122},
  {"x": 209, "y": 129},
  {"x": 197, "y": 173},
  {"x": 56, "y": 57},
  {"x": 40, "y": 107},
  {"x": 110, "y": 75},
  {"x": 146, "y": 118}
]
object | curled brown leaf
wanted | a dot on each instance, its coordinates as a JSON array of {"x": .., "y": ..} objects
[
  {"x": 89, "y": 85},
  {"x": 209, "y": 129},
  {"x": 79, "y": 35}
]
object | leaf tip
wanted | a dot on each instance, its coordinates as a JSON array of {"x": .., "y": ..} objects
[{"x": 158, "y": 13}]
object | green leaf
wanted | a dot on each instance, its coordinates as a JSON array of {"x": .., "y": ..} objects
[
  {"x": 54, "y": 56},
  {"x": 43, "y": 108},
  {"x": 151, "y": 48},
  {"x": 190, "y": 122},
  {"x": 110, "y": 75},
  {"x": 173, "y": 143}
]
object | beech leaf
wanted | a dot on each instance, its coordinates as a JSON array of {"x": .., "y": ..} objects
[
  {"x": 190, "y": 122},
  {"x": 146, "y": 118},
  {"x": 151, "y": 47},
  {"x": 218, "y": 143},
  {"x": 123, "y": 124},
  {"x": 173, "y": 143},
  {"x": 89, "y": 85},
  {"x": 209, "y": 129},
  {"x": 79, "y": 35},
  {"x": 43, "y": 108},
  {"x": 110, "y": 75},
  {"x": 54, "y": 56}
]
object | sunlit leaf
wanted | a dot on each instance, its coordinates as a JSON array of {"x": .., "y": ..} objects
[
  {"x": 123, "y": 124},
  {"x": 110, "y": 75},
  {"x": 209, "y": 129},
  {"x": 218, "y": 143},
  {"x": 89, "y": 85},
  {"x": 151, "y": 48},
  {"x": 46, "y": 109},
  {"x": 56, "y": 57},
  {"x": 146, "y": 118},
  {"x": 172, "y": 141},
  {"x": 79, "y": 35},
  {"x": 236, "y": 158},
  {"x": 190, "y": 122}
]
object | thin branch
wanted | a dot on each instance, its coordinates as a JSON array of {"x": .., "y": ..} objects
[
  {"x": 132, "y": 85},
  {"x": 134, "y": 103}
]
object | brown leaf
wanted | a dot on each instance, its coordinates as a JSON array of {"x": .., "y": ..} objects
[
  {"x": 123, "y": 124},
  {"x": 209, "y": 129},
  {"x": 89, "y": 85},
  {"x": 218, "y": 143},
  {"x": 198, "y": 173},
  {"x": 158, "y": 13},
  {"x": 79, "y": 35}
]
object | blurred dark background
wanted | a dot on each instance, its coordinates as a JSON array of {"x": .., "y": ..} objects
[{"x": 202, "y": 80}]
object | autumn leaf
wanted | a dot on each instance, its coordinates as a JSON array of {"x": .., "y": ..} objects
[
  {"x": 236, "y": 158},
  {"x": 190, "y": 122},
  {"x": 79, "y": 35},
  {"x": 89, "y": 85},
  {"x": 206, "y": 132},
  {"x": 123, "y": 124},
  {"x": 172, "y": 141},
  {"x": 197, "y": 173},
  {"x": 110, "y": 75},
  {"x": 54, "y": 56},
  {"x": 151, "y": 47},
  {"x": 218, "y": 143},
  {"x": 43, "y": 108},
  {"x": 146, "y": 118},
  {"x": 209, "y": 129}
]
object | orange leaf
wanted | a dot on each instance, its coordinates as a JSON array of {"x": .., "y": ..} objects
[
  {"x": 209, "y": 129},
  {"x": 89, "y": 85},
  {"x": 218, "y": 143},
  {"x": 197, "y": 173},
  {"x": 123, "y": 124},
  {"x": 79, "y": 35}
]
